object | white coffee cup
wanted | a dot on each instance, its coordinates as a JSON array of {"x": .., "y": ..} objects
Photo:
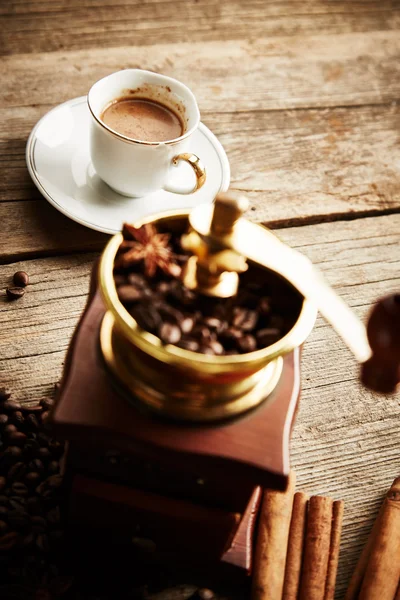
[{"x": 137, "y": 167}]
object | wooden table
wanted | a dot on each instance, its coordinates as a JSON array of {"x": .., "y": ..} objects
[{"x": 304, "y": 98}]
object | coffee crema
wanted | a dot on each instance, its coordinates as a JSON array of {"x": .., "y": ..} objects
[{"x": 142, "y": 119}]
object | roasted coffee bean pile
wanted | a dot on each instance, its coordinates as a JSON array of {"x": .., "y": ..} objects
[
  {"x": 259, "y": 315},
  {"x": 29, "y": 477},
  {"x": 36, "y": 557}
]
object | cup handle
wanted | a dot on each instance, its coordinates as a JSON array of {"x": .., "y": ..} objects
[{"x": 198, "y": 168}]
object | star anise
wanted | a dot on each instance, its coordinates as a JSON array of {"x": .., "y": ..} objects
[{"x": 147, "y": 245}]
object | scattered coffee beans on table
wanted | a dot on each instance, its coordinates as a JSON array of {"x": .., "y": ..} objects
[
  {"x": 21, "y": 278},
  {"x": 15, "y": 292}
]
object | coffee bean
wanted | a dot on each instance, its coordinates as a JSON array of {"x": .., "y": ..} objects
[
  {"x": 17, "y": 438},
  {"x": 42, "y": 542},
  {"x": 32, "y": 422},
  {"x": 188, "y": 344},
  {"x": 28, "y": 540},
  {"x": 3, "y": 500},
  {"x": 43, "y": 438},
  {"x": 19, "y": 489},
  {"x": 129, "y": 294},
  {"x": 36, "y": 408},
  {"x": 17, "y": 471},
  {"x": 9, "y": 406},
  {"x": 187, "y": 324},
  {"x": 3, "y": 512},
  {"x": 4, "y": 394},
  {"x": 34, "y": 505},
  {"x": 3, "y": 527},
  {"x": 145, "y": 545},
  {"x": 15, "y": 292},
  {"x": 46, "y": 403},
  {"x": 56, "y": 448},
  {"x": 264, "y": 306},
  {"x": 206, "y": 350},
  {"x": 31, "y": 447},
  {"x": 202, "y": 333},
  {"x": 213, "y": 323},
  {"x": 32, "y": 479},
  {"x": 45, "y": 417},
  {"x": 216, "y": 347},
  {"x": 12, "y": 453},
  {"x": 169, "y": 313},
  {"x": 137, "y": 280},
  {"x": 54, "y": 481},
  {"x": 247, "y": 343},
  {"x": 203, "y": 594},
  {"x": 230, "y": 336},
  {"x": 21, "y": 278},
  {"x": 17, "y": 418},
  {"x": 17, "y": 502},
  {"x": 147, "y": 318},
  {"x": 178, "y": 293},
  {"x": 39, "y": 524},
  {"x": 18, "y": 519},
  {"x": 163, "y": 287},
  {"x": 44, "y": 454},
  {"x": 3, "y": 483},
  {"x": 3, "y": 419},
  {"x": 244, "y": 319},
  {"x": 54, "y": 467},
  {"x": 36, "y": 465},
  {"x": 267, "y": 336},
  {"x": 169, "y": 333},
  {"x": 49, "y": 485},
  {"x": 8, "y": 541},
  {"x": 9, "y": 429}
]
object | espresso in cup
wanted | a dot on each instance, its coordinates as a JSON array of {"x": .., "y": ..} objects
[{"x": 143, "y": 119}]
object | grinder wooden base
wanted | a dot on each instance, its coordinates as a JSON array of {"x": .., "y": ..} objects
[{"x": 188, "y": 490}]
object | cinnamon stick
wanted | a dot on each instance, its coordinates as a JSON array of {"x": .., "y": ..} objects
[
  {"x": 295, "y": 547},
  {"x": 333, "y": 561},
  {"x": 272, "y": 540},
  {"x": 316, "y": 549},
  {"x": 382, "y": 575},
  {"x": 357, "y": 578}
]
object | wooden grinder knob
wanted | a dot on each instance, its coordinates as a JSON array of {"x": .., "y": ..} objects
[{"x": 381, "y": 372}]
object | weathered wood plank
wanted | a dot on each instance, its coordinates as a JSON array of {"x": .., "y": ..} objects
[
  {"x": 36, "y": 228},
  {"x": 352, "y": 454},
  {"x": 48, "y": 26},
  {"x": 258, "y": 74},
  {"x": 304, "y": 165}
]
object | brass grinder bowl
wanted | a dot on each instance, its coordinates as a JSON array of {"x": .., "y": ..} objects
[{"x": 180, "y": 383}]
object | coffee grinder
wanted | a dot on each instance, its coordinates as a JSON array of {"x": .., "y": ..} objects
[{"x": 169, "y": 449}]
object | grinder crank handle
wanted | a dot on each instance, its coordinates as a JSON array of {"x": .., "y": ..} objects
[
  {"x": 262, "y": 247},
  {"x": 381, "y": 372},
  {"x": 377, "y": 347}
]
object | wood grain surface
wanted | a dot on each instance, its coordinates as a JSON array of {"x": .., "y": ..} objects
[
  {"x": 304, "y": 97},
  {"x": 46, "y": 25}
]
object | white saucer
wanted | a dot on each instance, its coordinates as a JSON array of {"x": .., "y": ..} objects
[{"x": 58, "y": 160}]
